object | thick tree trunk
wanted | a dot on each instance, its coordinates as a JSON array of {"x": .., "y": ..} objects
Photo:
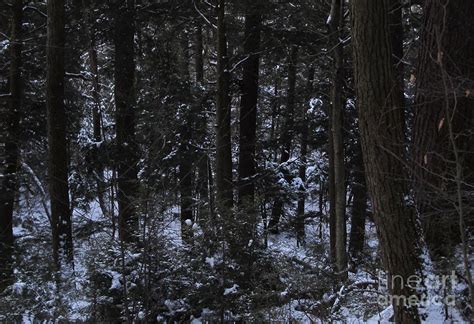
[
  {"x": 127, "y": 168},
  {"x": 300, "y": 211},
  {"x": 447, "y": 52},
  {"x": 248, "y": 123},
  {"x": 337, "y": 109},
  {"x": 12, "y": 129},
  {"x": 382, "y": 145},
  {"x": 223, "y": 140},
  {"x": 287, "y": 135},
  {"x": 57, "y": 143}
]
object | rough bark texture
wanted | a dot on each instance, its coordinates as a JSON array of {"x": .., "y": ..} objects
[
  {"x": 12, "y": 129},
  {"x": 223, "y": 140},
  {"x": 287, "y": 135},
  {"x": 382, "y": 140},
  {"x": 57, "y": 143},
  {"x": 447, "y": 53},
  {"x": 125, "y": 121},
  {"x": 248, "y": 123},
  {"x": 337, "y": 108}
]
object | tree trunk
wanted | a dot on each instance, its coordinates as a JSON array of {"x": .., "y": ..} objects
[
  {"x": 382, "y": 145},
  {"x": 286, "y": 136},
  {"x": 447, "y": 50},
  {"x": 185, "y": 153},
  {"x": 12, "y": 129},
  {"x": 98, "y": 168},
  {"x": 300, "y": 211},
  {"x": 203, "y": 173},
  {"x": 337, "y": 109},
  {"x": 223, "y": 139},
  {"x": 57, "y": 143},
  {"x": 359, "y": 206},
  {"x": 248, "y": 123},
  {"x": 125, "y": 121}
]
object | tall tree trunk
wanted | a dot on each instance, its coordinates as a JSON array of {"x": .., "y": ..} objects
[
  {"x": 447, "y": 50},
  {"x": 382, "y": 145},
  {"x": 127, "y": 168},
  {"x": 287, "y": 134},
  {"x": 203, "y": 173},
  {"x": 442, "y": 136},
  {"x": 12, "y": 129},
  {"x": 57, "y": 143},
  {"x": 359, "y": 206},
  {"x": 300, "y": 211},
  {"x": 337, "y": 109},
  {"x": 223, "y": 140},
  {"x": 248, "y": 122},
  {"x": 185, "y": 153},
  {"x": 332, "y": 195},
  {"x": 98, "y": 168}
]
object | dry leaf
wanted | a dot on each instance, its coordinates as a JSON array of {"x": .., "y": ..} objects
[
  {"x": 425, "y": 159},
  {"x": 412, "y": 78},
  {"x": 441, "y": 123},
  {"x": 468, "y": 92}
]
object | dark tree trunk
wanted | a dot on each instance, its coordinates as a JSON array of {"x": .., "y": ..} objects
[
  {"x": 337, "y": 109},
  {"x": 300, "y": 211},
  {"x": 287, "y": 135},
  {"x": 127, "y": 168},
  {"x": 57, "y": 143},
  {"x": 98, "y": 168},
  {"x": 447, "y": 53},
  {"x": 203, "y": 173},
  {"x": 199, "y": 55},
  {"x": 359, "y": 206},
  {"x": 12, "y": 129},
  {"x": 185, "y": 152},
  {"x": 332, "y": 196},
  {"x": 248, "y": 123},
  {"x": 223, "y": 138},
  {"x": 382, "y": 146}
]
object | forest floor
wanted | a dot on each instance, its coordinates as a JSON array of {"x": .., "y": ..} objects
[{"x": 307, "y": 296}]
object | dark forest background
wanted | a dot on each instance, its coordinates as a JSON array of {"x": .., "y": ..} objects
[{"x": 235, "y": 161}]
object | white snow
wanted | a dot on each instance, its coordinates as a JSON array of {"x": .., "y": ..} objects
[{"x": 231, "y": 290}]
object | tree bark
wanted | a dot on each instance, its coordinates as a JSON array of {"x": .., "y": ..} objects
[
  {"x": 203, "y": 172},
  {"x": 248, "y": 122},
  {"x": 12, "y": 129},
  {"x": 359, "y": 206},
  {"x": 185, "y": 152},
  {"x": 127, "y": 168},
  {"x": 223, "y": 139},
  {"x": 337, "y": 109},
  {"x": 57, "y": 142},
  {"x": 382, "y": 145},
  {"x": 447, "y": 50},
  {"x": 98, "y": 167},
  {"x": 287, "y": 134}
]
